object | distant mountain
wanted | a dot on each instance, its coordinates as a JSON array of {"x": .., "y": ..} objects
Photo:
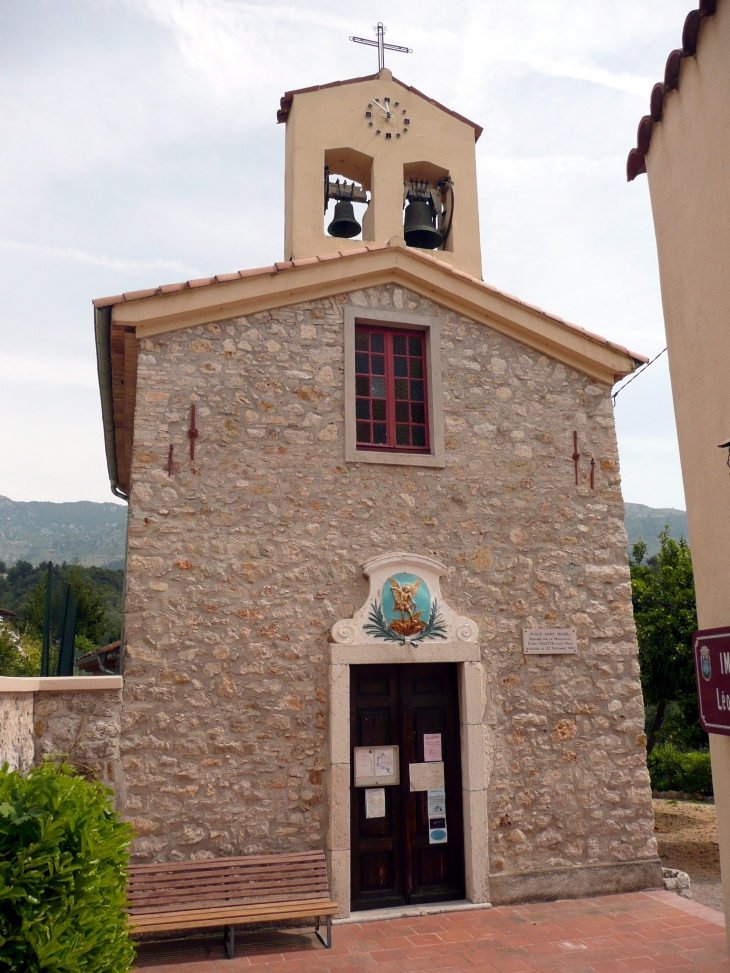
[
  {"x": 93, "y": 534},
  {"x": 645, "y": 523}
]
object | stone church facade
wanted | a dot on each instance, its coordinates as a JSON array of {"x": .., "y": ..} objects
[{"x": 251, "y": 520}]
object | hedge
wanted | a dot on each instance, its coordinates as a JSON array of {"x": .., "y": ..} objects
[
  {"x": 63, "y": 857},
  {"x": 672, "y": 770}
]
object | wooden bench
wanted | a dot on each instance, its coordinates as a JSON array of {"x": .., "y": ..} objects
[{"x": 229, "y": 892}]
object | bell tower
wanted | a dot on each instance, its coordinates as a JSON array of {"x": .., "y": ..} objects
[{"x": 372, "y": 159}]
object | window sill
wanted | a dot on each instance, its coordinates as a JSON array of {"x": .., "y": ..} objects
[{"x": 394, "y": 459}]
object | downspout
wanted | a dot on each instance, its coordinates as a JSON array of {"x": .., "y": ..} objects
[{"x": 102, "y": 327}]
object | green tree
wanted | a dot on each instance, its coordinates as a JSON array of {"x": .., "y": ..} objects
[
  {"x": 665, "y": 612},
  {"x": 91, "y": 619}
]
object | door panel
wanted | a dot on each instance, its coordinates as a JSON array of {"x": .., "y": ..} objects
[
  {"x": 392, "y": 860},
  {"x": 377, "y": 867}
]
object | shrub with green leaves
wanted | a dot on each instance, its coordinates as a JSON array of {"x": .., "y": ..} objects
[
  {"x": 672, "y": 770},
  {"x": 63, "y": 856}
]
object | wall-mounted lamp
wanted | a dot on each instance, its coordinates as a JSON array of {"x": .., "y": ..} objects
[{"x": 727, "y": 447}]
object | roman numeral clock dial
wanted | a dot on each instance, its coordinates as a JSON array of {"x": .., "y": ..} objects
[{"x": 389, "y": 120}]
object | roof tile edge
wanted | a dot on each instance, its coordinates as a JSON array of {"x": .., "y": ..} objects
[{"x": 636, "y": 160}]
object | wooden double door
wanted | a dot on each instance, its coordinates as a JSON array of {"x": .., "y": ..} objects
[{"x": 394, "y": 858}]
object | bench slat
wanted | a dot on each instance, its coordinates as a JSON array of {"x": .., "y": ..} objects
[
  {"x": 185, "y": 900},
  {"x": 257, "y": 861},
  {"x": 183, "y": 880},
  {"x": 205, "y": 918}
]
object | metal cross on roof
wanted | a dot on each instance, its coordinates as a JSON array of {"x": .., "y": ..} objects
[{"x": 381, "y": 45}]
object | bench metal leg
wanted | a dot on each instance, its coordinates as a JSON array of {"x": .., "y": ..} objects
[
  {"x": 230, "y": 941},
  {"x": 327, "y": 943}
]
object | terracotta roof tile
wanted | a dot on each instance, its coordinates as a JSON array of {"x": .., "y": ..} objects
[
  {"x": 223, "y": 278},
  {"x": 286, "y": 101},
  {"x": 136, "y": 295},
  {"x": 257, "y": 271},
  {"x": 289, "y": 265},
  {"x": 636, "y": 161},
  {"x": 108, "y": 301}
]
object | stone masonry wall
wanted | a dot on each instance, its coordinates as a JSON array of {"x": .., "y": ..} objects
[
  {"x": 83, "y": 724},
  {"x": 86, "y": 725},
  {"x": 16, "y": 730},
  {"x": 240, "y": 562}
]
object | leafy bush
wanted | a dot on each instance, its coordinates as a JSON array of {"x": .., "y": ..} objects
[
  {"x": 672, "y": 770},
  {"x": 20, "y": 653},
  {"x": 63, "y": 852}
]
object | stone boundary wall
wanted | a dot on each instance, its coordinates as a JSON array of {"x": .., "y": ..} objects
[{"x": 82, "y": 721}]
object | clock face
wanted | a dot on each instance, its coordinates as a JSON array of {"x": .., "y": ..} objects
[{"x": 387, "y": 119}]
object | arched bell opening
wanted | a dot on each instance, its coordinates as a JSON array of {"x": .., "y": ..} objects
[
  {"x": 428, "y": 200},
  {"x": 347, "y": 195}
]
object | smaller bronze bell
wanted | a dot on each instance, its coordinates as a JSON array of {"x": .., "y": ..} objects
[
  {"x": 344, "y": 224},
  {"x": 418, "y": 226}
]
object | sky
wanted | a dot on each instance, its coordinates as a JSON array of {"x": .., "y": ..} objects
[{"x": 139, "y": 146}]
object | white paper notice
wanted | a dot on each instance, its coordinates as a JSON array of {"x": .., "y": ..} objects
[
  {"x": 384, "y": 761},
  {"x": 436, "y": 802},
  {"x": 364, "y": 763},
  {"x": 426, "y": 777},
  {"x": 375, "y": 802},
  {"x": 432, "y": 747}
]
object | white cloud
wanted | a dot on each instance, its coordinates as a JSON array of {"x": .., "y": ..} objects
[{"x": 45, "y": 252}]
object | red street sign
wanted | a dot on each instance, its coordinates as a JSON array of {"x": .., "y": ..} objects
[{"x": 712, "y": 671}]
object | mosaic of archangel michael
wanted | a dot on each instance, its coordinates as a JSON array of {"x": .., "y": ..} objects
[{"x": 405, "y": 612}]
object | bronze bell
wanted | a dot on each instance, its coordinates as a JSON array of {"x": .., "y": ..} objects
[
  {"x": 418, "y": 226},
  {"x": 344, "y": 224}
]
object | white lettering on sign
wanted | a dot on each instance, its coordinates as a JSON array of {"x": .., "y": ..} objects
[
  {"x": 549, "y": 641},
  {"x": 723, "y": 701},
  {"x": 725, "y": 663}
]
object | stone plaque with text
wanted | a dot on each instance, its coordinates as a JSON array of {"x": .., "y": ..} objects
[{"x": 549, "y": 641}]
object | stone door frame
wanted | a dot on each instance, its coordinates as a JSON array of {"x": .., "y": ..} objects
[{"x": 473, "y": 743}]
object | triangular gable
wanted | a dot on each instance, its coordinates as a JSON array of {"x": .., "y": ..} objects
[{"x": 140, "y": 314}]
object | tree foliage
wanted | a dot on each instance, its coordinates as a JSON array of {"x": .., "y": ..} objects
[
  {"x": 63, "y": 857},
  {"x": 665, "y": 612},
  {"x": 97, "y": 590},
  {"x": 20, "y": 653}
]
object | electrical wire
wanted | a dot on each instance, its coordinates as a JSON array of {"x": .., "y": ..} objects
[{"x": 636, "y": 375}]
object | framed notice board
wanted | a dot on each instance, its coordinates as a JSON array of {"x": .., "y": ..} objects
[{"x": 376, "y": 766}]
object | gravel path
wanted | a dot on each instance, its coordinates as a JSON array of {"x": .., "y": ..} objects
[{"x": 686, "y": 832}]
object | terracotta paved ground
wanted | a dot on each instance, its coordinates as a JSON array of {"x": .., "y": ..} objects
[{"x": 611, "y": 934}]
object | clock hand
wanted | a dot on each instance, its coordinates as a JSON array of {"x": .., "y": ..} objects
[{"x": 376, "y": 102}]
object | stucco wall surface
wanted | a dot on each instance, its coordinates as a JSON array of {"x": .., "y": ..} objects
[
  {"x": 240, "y": 562},
  {"x": 687, "y": 166},
  {"x": 690, "y": 196}
]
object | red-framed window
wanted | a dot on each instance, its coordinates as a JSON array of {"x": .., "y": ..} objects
[{"x": 391, "y": 397}]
